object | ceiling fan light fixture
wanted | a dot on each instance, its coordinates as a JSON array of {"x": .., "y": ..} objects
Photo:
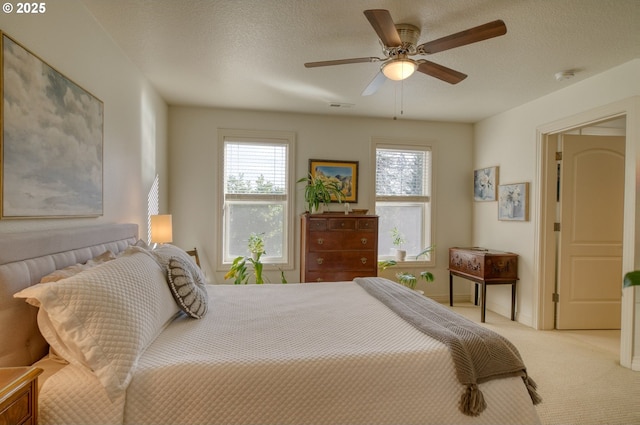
[{"x": 399, "y": 69}]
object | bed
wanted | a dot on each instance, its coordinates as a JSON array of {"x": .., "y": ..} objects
[{"x": 137, "y": 337}]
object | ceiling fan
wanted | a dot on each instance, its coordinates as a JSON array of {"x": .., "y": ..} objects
[{"x": 399, "y": 44}]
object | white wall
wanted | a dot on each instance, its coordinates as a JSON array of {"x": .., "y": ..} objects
[
  {"x": 193, "y": 166},
  {"x": 68, "y": 38},
  {"x": 510, "y": 141}
]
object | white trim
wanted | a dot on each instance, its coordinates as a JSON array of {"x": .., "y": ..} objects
[
  {"x": 287, "y": 137},
  {"x": 418, "y": 145},
  {"x": 630, "y": 108}
]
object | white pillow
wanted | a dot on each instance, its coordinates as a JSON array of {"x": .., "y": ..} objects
[
  {"x": 165, "y": 252},
  {"x": 105, "y": 317},
  {"x": 77, "y": 268}
]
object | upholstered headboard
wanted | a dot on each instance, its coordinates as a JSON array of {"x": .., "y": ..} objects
[{"x": 25, "y": 258}]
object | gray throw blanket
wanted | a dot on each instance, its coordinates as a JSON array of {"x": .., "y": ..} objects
[{"x": 479, "y": 354}]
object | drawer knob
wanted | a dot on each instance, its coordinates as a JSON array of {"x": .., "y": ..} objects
[
  {"x": 319, "y": 279},
  {"x": 363, "y": 241},
  {"x": 320, "y": 241},
  {"x": 320, "y": 260},
  {"x": 342, "y": 224},
  {"x": 364, "y": 260}
]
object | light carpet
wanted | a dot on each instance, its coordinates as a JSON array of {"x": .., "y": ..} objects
[{"x": 578, "y": 372}]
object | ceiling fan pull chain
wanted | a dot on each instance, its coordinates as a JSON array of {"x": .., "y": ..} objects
[
  {"x": 401, "y": 97},
  {"x": 395, "y": 101}
]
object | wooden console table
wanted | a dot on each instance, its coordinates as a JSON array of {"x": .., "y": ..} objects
[{"x": 484, "y": 267}]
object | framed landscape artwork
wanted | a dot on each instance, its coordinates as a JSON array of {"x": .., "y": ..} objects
[
  {"x": 52, "y": 140},
  {"x": 513, "y": 202},
  {"x": 344, "y": 173},
  {"x": 485, "y": 184}
]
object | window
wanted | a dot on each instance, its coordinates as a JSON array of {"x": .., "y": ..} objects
[
  {"x": 256, "y": 194},
  {"x": 403, "y": 197}
]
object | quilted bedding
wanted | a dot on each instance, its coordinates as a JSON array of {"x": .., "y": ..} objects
[{"x": 286, "y": 354}]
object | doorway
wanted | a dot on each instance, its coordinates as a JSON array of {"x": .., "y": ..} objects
[{"x": 545, "y": 213}]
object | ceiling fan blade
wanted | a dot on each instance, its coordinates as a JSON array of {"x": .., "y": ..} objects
[
  {"x": 462, "y": 38},
  {"x": 341, "y": 62},
  {"x": 441, "y": 72},
  {"x": 375, "y": 84},
  {"x": 382, "y": 23}
]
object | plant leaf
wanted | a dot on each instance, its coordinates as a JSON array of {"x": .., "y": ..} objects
[{"x": 631, "y": 279}]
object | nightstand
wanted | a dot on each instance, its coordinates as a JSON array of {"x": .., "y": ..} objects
[{"x": 19, "y": 395}]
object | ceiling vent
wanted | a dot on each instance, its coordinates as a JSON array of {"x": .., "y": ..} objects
[{"x": 341, "y": 105}]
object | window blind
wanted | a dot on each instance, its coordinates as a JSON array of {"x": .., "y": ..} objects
[
  {"x": 401, "y": 172},
  {"x": 255, "y": 168}
]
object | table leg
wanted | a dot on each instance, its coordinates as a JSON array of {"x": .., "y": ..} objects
[
  {"x": 513, "y": 301},
  {"x": 450, "y": 289},
  {"x": 484, "y": 302},
  {"x": 475, "y": 293}
]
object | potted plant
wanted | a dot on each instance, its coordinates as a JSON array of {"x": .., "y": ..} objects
[
  {"x": 319, "y": 190},
  {"x": 238, "y": 270},
  {"x": 398, "y": 240},
  {"x": 256, "y": 245},
  {"x": 631, "y": 279},
  {"x": 409, "y": 279}
]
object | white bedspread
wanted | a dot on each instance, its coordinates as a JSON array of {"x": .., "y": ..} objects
[{"x": 294, "y": 354}]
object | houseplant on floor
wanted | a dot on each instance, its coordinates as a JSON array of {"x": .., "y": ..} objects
[
  {"x": 239, "y": 272},
  {"x": 320, "y": 190}
]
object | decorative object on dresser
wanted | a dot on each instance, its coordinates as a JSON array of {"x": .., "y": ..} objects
[
  {"x": 484, "y": 267},
  {"x": 319, "y": 191},
  {"x": 19, "y": 395},
  {"x": 338, "y": 247}
]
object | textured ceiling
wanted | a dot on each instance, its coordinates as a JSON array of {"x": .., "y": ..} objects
[{"x": 249, "y": 54}]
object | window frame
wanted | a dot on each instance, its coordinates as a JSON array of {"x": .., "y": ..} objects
[
  {"x": 428, "y": 232},
  {"x": 257, "y": 136}
]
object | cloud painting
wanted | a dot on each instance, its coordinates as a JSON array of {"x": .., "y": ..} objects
[{"x": 52, "y": 141}]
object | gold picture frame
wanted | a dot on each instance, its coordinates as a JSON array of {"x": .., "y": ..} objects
[{"x": 344, "y": 173}]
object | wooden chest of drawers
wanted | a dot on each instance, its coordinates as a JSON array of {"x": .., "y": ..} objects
[
  {"x": 19, "y": 395},
  {"x": 338, "y": 247}
]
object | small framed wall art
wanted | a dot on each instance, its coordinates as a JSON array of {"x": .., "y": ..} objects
[
  {"x": 344, "y": 173},
  {"x": 485, "y": 184},
  {"x": 513, "y": 202}
]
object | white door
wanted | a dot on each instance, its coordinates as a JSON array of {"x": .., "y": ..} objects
[{"x": 590, "y": 240}]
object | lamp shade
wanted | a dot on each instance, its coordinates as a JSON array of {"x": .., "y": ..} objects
[
  {"x": 161, "y": 228},
  {"x": 399, "y": 69}
]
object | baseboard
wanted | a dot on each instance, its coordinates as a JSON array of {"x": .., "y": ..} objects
[
  {"x": 444, "y": 299},
  {"x": 635, "y": 364}
]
